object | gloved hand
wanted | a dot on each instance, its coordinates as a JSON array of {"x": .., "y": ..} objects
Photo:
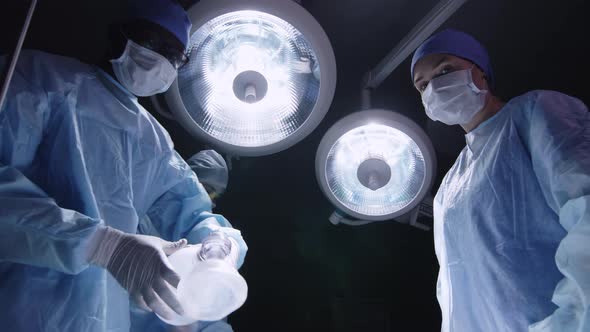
[{"x": 139, "y": 264}]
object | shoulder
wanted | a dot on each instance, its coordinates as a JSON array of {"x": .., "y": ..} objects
[
  {"x": 50, "y": 71},
  {"x": 41, "y": 79},
  {"x": 548, "y": 102},
  {"x": 546, "y": 106},
  {"x": 549, "y": 116},
  {"x": 44, "y": 58}
]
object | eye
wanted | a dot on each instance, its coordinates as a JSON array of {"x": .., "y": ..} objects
[{"x": 445, "y": 70}]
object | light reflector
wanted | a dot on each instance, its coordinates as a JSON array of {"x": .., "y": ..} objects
[
  {"x": 404, "y": 170},
  {"x": 375, "y": 165},
  {"x": 252, "y": 80}
]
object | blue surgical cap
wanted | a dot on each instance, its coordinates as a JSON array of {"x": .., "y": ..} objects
[
  {"x": 211, "y": 169},
  {"x": 166, "y": 13},
  {"x": 459, "y": 44}
]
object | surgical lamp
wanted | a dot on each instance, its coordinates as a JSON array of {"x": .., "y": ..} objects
[
  {"x": 261, "y": 76},
  {"x": 377, "y": 165}
]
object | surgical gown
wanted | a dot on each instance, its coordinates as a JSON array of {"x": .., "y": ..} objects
[
  {"x": 142, "y": 321},
  {"x": 77, "y": 151},
  {"x": 512, "y": 221}
]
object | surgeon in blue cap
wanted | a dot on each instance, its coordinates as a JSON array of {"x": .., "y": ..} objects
[
  {"x": 512, "y": 216},
  {"x": 80, "y": 162}
]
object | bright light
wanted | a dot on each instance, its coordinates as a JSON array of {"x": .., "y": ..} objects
[
  {"x": 375, "y": 142},
  {"x": 252, "y": 79}
]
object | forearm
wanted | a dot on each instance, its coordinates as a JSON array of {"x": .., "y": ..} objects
[{"x": 34, "y": 230}]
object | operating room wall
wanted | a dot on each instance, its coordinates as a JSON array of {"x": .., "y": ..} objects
[{"x": 305, "y": 274}]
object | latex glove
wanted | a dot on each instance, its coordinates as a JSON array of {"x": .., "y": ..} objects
[{"x": 140, "y": 265}]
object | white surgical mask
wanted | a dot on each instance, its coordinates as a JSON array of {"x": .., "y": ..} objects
[
  {"x": 453, "y": 98},
  {"x": 142, "y": 71}
]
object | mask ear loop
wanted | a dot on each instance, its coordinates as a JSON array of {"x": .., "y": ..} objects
[
  {"x": 472, "y": 84},
  {"x": 125, "y": 52}
]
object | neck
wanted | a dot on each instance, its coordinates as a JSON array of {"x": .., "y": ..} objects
[{"x": 493, "y": 105}]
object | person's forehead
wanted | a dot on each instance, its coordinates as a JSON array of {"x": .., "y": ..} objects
[{"x": 142, "y": 31}]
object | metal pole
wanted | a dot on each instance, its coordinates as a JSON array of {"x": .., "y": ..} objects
[
  {"x": 15, "y": 55},
  {"x": 366, "y": 99},
  {"x": 429, "y": 23}
]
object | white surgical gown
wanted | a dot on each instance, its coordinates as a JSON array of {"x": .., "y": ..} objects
[
  {"x": 512, "y": 221},
  {"x": 77, "y": 151}
]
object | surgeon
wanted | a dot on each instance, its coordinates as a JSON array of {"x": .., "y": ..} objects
[
  {"x": 212, "y": 171},
  {"x": 213, "y": 174},
  {"x": 80, "y": 161},
  {"x": 512, "y": 216}
]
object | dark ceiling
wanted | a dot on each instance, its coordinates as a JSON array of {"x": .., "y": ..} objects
[{"x": 305, "y": 274}]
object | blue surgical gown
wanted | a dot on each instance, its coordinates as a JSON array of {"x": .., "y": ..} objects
[
  {"x": 142, "y": 321},
  {"x": 512, "y": 221},
  {"x": 78, "y": 151}
]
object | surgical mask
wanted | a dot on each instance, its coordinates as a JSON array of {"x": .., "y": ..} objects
[
  {"x": 142, "y": 71},
  {"x": 453, "y": 98}
]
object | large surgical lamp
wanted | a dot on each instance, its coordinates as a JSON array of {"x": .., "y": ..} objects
[
  {"x": 375, "y": 165},
  {"x": 261, "y": 76}
]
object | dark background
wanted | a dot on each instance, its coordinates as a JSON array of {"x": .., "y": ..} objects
[{"x": 305, "y": 274}]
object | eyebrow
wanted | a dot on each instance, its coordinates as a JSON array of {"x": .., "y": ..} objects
[{"x": 443, "y": 59}]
